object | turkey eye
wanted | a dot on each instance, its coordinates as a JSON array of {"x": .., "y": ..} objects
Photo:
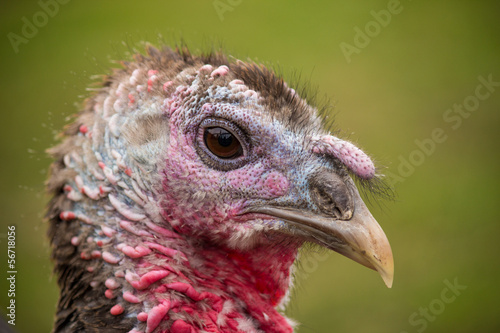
[{"x": 222, "y": 143}]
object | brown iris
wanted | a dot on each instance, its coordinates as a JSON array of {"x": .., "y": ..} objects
[{"x": 222, "y": 143}]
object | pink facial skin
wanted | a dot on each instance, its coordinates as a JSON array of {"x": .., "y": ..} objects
[{"x": 350, "y": 155}]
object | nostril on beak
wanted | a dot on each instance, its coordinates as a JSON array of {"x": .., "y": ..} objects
[
  {"x": 331, "y": 195},
  {"x": 324, "y": 201}
]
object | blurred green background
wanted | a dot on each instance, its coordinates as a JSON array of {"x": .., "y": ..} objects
[{"x": 394, "y": 89}]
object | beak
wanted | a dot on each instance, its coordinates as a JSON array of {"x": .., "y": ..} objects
[{"x": 360, "y": 238}]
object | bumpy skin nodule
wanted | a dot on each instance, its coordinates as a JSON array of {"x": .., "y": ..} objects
[{"x": 147, "y": 236}]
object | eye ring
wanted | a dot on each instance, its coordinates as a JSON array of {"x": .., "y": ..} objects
[{"x": 221, "y": 144}]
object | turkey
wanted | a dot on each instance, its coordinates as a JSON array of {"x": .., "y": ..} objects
[{"x": 183, "y": 191}]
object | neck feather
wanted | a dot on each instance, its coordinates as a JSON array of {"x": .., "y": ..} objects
[{"x": 154, "y": 279}]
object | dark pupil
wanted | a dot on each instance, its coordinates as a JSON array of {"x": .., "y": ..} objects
[
  {"x": 225, "y": 139},
  {"x": 222, "y": 143}
]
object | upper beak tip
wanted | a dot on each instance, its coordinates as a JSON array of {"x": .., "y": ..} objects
[
  {"x": 388, "y": 279},
  {"x": 387, "y": 273}
]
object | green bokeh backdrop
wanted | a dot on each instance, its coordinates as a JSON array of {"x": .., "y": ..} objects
[{"x": 444, "y": 224}]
